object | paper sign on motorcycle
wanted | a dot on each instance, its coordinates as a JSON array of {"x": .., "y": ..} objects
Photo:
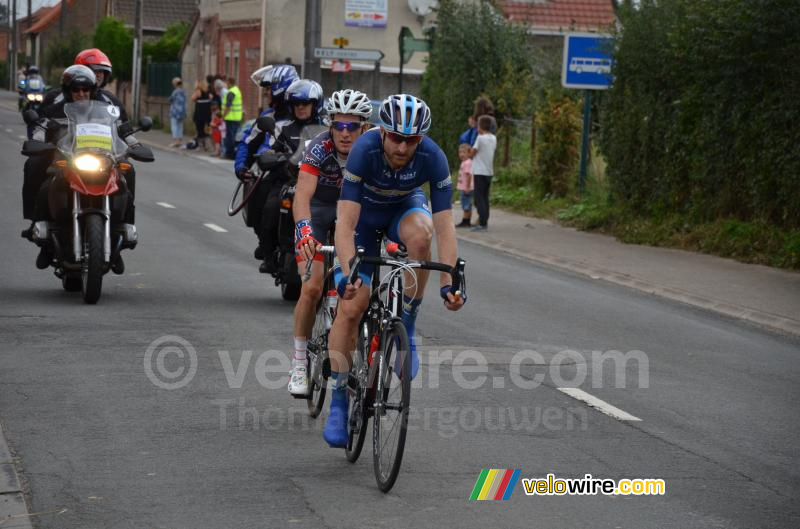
[{"x": 93, "y": 136}]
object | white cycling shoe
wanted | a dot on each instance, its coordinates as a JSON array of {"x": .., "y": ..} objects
[{"x": 298, "y": 380}]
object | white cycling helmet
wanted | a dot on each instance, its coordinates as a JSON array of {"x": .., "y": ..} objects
[
  {"x": 263, "y": 76},
  {"x": 349, "y": 102}
]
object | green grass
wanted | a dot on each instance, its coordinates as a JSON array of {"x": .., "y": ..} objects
[{"x": 514, "y": 189}]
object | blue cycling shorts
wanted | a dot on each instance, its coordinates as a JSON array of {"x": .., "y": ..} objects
[{"x": 385, "y": 218}]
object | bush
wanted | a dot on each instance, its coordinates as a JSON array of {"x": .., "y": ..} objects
[
  {"x": 61, "y": 54},
  {"x": 702, "y": 118},
  {"x": 557, "y": 154}
]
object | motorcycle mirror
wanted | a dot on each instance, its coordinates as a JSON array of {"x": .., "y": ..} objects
[
  {"x": 145, "y": 123},
  {"x": 270, "y": 159},
  {"x": 266, "y": 123},
  {"x": 37, "y": 148},
  {"x": 141, "y": 153},
  {"x": 30, "y": 116}
]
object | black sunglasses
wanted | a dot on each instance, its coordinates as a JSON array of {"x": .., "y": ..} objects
[
  {"x": 83, "y": 89},
  {"x": 350, "y": 126}
]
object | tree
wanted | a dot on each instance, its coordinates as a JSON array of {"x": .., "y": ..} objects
[
  {"x": 475, "y": 51},
  {"x": 116, "y": 41},
  {"x": 61, "y": 54},
  {"x": 168, "y": 47}
]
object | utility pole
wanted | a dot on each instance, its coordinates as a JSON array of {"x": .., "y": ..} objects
[
  {"x": 32, "y": 56},
  {"x": 311, "y": 65},
  {"x": 137, "y": 59},
  {"x": 13, "y": 62},
  {"x": 262, "y": 57},
  {"x": 61, "y": 19}
]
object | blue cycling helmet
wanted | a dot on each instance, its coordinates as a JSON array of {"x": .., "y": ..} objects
[
  {"x": 305, "y": 90},
  {"x": 283, "y": 76},
  {"x": 405, "y": 114}
]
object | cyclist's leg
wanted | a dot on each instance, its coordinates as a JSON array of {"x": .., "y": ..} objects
[
  {"x": 342, "y": 338},
  {"x": 413, "y": 226},
  {"x": 322, "y": 217}
]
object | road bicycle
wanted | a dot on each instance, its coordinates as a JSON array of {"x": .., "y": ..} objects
[
  {"x": 377, "y": 385},
  {"x": 319, "y": 366}
]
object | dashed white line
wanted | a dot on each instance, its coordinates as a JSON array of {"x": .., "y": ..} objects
[
  {"x": 22, "y": 137},
  {"x": 599, "y": 405},
  {"x": 9, "y": 131},
  {"x": 214, "y": 227},
  {"x": 165, "y": 205}
]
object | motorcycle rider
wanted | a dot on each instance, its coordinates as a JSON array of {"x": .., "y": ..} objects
[
  {"x": 314, "y": 208},
  {"x": 78, "y": 83}
]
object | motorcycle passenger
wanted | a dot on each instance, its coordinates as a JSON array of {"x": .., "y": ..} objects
[
  {"x": 274, "y": 81},
  {"x": 78, "y": 83},
  {"x": 314, "y": 208},
  {"x": 382, "y": 192}
]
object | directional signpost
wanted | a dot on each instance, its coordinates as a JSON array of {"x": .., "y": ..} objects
[
  {"x": 351, "y": 54},
  {"x": 587, "y": 65}
]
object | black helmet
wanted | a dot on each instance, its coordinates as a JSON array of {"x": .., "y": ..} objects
[
  {"x": 33, "y": 70},
  {"x": 75, "y": 76}
]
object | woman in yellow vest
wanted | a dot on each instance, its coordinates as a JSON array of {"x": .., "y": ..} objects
[{"x": 232, "y": 114}]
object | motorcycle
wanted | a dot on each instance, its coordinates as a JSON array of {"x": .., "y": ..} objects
[
  {"x": 88, "y": 195},
  {"x": 31, "y": 97},
  {"x": 271, "y": 162}
]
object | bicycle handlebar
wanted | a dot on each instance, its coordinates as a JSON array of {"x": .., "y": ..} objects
[
  {"x": 322, "y": 250},
  {"x": 457, "y": 287}
]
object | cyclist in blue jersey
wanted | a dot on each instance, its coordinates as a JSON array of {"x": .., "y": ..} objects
[
  {"x": 314, "y": 208},
  {"x": 381, "y": 193}
]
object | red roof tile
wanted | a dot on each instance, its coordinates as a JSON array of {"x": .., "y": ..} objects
[
  {"x": 47, "y": 18},
  {"x": 561, "y": 14}
]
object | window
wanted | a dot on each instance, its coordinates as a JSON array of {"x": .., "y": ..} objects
[
  {"x": 227, "y": 68},
  {"x": 235, "y": 73}
]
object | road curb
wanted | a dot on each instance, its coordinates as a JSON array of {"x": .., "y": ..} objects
[
  {"x": 13, "y": 510},
  {"x": 772, "y": 322}
]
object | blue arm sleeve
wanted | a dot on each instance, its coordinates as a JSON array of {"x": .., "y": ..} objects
[
  {"x": 440, "y": 181},
  {"x": 242, "y": 152}
]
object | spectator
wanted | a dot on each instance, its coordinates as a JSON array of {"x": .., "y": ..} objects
[
  {"x": 465, "y": 185},
  {"x": 177, "y": 111},
  {"x": 202, "y": 114},
  {"x": 232, "y": 113},
  {"x": 482, "y": 154},
  {"x": 469, "y": 135}
]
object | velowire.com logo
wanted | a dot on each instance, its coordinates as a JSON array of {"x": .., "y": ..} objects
[{"x": 495, "y": 484}]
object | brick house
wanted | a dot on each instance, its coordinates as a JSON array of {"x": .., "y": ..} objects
[{"x": 227, "y": 39}]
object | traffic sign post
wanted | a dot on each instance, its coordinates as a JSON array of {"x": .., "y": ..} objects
[{"x": 586, "y": 65}]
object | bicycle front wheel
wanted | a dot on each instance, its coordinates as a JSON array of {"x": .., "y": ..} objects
[{"x": 392, "y": 401}]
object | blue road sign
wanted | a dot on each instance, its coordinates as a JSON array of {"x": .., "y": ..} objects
[{"x": 587, "y": 61}]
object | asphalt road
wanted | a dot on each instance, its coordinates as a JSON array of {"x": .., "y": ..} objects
[{"x": 100, "y": 445}]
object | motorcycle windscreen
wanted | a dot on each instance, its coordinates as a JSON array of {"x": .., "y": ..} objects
[{"x": 92, "y": 127}]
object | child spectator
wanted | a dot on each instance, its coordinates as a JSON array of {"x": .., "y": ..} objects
[
  {"x": 217, "y": 128},
  {"x": 482, "y": 154},
  {"x": 465, "y": 185}
]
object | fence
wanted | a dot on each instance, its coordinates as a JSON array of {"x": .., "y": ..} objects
[{"x": 159, "y": 78}]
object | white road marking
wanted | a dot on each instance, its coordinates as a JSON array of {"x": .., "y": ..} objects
[
  {"x": 598, "y": 404},
  {"x": 22, "y": 137},
  {"x": 165, "y": 205},
  {"x": 214, "y": 227},
  {"x": 9, "y": 131}
]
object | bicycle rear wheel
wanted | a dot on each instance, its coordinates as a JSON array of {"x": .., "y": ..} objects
[
  {"x": 319, "y": 365},
  {"x": 392, "y": 400},
  {"x": 357, "y": 394}
]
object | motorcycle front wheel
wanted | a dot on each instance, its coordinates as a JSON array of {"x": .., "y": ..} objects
[{"x": 92, "y": 269}]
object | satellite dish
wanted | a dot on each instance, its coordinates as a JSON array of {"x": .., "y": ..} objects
[{"x": 422, "y": 7}]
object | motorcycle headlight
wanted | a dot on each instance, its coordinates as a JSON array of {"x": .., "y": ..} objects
[
  {"x": 31, "y": 97},
  {"x": 39, "y": 97},
  {"x": 88, "y": 163}
]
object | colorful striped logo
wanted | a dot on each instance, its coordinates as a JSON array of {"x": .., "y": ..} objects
[{"x": 495, "y": 484}]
